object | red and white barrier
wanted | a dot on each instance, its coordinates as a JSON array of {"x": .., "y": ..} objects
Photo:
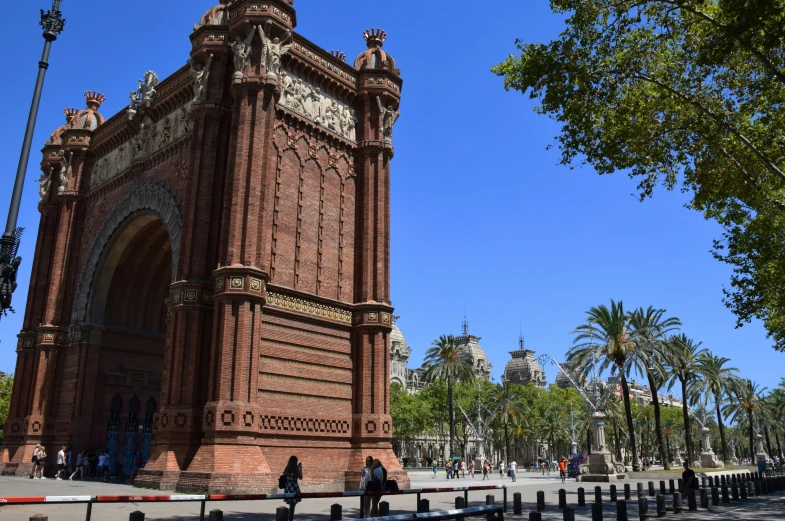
[
  {"x": 148, "y": 499},
  {"x": 33, "y": 500}
]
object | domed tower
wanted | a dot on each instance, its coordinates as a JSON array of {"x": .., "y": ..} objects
[
  {"x": 563, "y": 378},
  {"x": 399, "y": 357},
  {"x": 469, "y": 351},
  {"x": 523, "y": 369}
]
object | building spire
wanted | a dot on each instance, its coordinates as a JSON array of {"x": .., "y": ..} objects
[
  {"x": 521, "y": 342},
  {"x": 465, "y": 326}
]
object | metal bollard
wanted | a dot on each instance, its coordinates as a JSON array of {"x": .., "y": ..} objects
[
  {"x": 692, "y": 505},
  {"x": 596, "y": 512},
  {"x": 662, "y": 487},
  {"x": 704, "y": 498},
  {"x": 756, "y": 483},
  {"x": 562, "y": 498},
  {"x": 652, "y": 493},
  {"x": 137, "y": 516},
  {"x": 581, "y": 497},
  {"x": 643, "y": 508},
  {"x": 672, "y": 485},
  {"x": 535, "y": 516},
  {"x": 722, "y": 479},
  {"x": 614, "y": 497},
  {"x": 711, "y": 481},
  {"x": 540, "y": 501},
  {"x": 743, "y": 491},
  {"x": 627, "y": 491},
  {"x": 281, "y": 514},
  {"x": 725, "y": 495},
  {"x": 459, "y": 503},
  {"x": 517, "y": 509},
  {"x": 704, "y": 481},
  {"x": 750, "y": 489},
  {"x": 640, "y": 489},
  {"x": 677, "y": 506},
  {"x": 681, "y": 484},
  {"x": 598, "y": 494},
  {"x": 489, "y": 499},
  {"x": 764, "y": 486},
  {"x": 715, "y": 496},
  {"x": 384, "y": 509},
  {"x": 422, "y": 506},
  {"x": 660, "y": 505},
  {"x": 218, "y": 515},
  {"x": 39, "y": 517},
  {"x": 336, "y": 512},
  {"x": 621, "y": 511},
  {"x": 734, "y": 490},
  {"x": 568, "y": 514}
]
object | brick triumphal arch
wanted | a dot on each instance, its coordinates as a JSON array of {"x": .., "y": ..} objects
[{"x": 211, "y": 277}]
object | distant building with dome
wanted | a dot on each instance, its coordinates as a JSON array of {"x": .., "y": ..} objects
[
  {"x": 469, "y": 351},
  {"x": 523, "y": 369}
]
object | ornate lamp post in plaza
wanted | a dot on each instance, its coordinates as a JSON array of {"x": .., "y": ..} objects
[{"x": 53, "y": 23}]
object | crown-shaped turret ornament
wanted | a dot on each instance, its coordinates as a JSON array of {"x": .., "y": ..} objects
[
  {"x": 338, "y": 54},
  {"x": 375, "y": 37},
  {"x": 70, "y": 113},
  {"x": 94, "y": 99}
]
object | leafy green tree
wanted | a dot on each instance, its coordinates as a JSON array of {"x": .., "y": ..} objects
[
  {"x": 747, "y": 401},
  {"x": 410, "y": 415},
  {"x": 443, "y": 363},
  {"x": 682, "y": 359},
  {"x": 715, "y": 382},
  {"x": 676, "y": 92},
  {"x": 650, "y": 329},
  {"x": 505, "y": 398},
  {"x": 6, "y": 385},
  {"x": 604, "y": 342}
]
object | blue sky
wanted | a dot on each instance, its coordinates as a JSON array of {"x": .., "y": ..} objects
[{"x": 484, "y": 221}]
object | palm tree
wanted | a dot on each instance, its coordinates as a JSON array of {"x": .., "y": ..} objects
[
  {"x": 505, "y": 397},
  {"x": 603, "y": 343},
  {"x": 715, "y": 383},
  {"x": 682, "y": 359},
  {"x": 746, "y": 403},
  {"x": 650, "y": 330},
  {"x": 443, "y": 363}
]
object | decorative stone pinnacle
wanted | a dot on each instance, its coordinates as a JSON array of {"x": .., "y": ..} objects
[
  {"x": 338, "y": 54},
  {"x": 94, "y": 99},
  {"x": 70, "y": 113},
  {"x": 375, "y": 37}
]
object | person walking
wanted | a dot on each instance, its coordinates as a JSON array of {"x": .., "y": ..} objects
[
  {"x": 293, "y": 472},
  {"x": 34, "y": 460},
  {"x": 563, "y": 468},
  {"x": 365, "y": 479},
  {"x": 138, "y": 464},
  {"x": 501, "y": 469},
  {"x": 513, "y": 470},
  {"x": 471, "y": 469},
  {"x": 41, "y": 462},
  {"x": 435, "y": 468},
  {"x": 80, "y": 466},
  {"x": 60, "y": 463},
  {"x": 378, "y": 477},
  {"x": 463, "y": 468},
  {"x": 486, "y": 468},
  {"x": 448, "y": 468}
]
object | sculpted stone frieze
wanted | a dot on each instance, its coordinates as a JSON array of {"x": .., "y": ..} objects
[
  {"x": 303, "y": 98},
  {"x": 152, "y": 138}
]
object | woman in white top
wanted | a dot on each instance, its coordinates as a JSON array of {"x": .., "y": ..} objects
[{"x": 365, "y": 478}]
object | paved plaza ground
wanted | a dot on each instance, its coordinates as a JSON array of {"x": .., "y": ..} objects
[{"x": 771, "y": 507}]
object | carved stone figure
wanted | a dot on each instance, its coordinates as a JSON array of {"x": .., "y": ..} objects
[
  {"x": 134, "y": 100},
  {"x": 45, "y": 180},
  {"x": 273, "y": 51},
  {"x": 65, "y": 169},
  {"x": 288, "y": 90},
  {"x": 183, "y": 123},
  {"x": 300, "y": 96},
  {"x": 349, "y": 124},
  {"x": 164, "y": 134},
  {"x": 316, "y": 105},
  {"x": 147, "y": 88},
  {"x": 201, "y": 74},
  {"x": 389, "y": 117},
  {"x": 242, "y": 53},
  {"x": 332, "y": 116}
]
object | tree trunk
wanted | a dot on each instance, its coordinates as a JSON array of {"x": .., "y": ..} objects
[
  {"x": 506, "y": 440},
  {"x": 768, "y": 441},
  {"x": 779, "y": 447},
  {"x": 655, "y": 400},
  {"x": 685, "y": 406},
  {"x": 752, "y": 440},
  {"x": 452, "y": 418},
  {"x": 628, "y": 413},
  {"x": 722, "y": 429}
]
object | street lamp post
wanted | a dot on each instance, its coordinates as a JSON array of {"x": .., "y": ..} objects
[{"x": 53, "y": 23}]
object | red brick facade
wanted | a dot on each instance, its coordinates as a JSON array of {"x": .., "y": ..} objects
[{"x": 212, "y": 268}]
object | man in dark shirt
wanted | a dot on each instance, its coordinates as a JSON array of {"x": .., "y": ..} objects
[{"x": 688, "y": 477}]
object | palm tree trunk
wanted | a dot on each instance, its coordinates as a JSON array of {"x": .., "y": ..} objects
[
  {"x": 452, "y": 418},
  {"x": 685, "y": 406},
  {"x": 722, "y": 429},
  {"x": 655, "y": 400},
  {"x": 618, "y": 441},
  {"x": 506, "y": 440},
  {"x": 752, "y": 442},
  {"x": 628, "y": 413},
  {"x": 768, "y": 441},
  {"x": 779, "y": 447}
]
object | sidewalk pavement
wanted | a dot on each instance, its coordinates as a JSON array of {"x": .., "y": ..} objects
[{"x": 760, "y": 509}]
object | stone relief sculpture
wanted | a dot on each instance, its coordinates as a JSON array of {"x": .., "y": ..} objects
[
  {"x": 389, "y": 117},
  {"x": 242, "y": 53},
  {"x": 65, "y": 169},
  {"x": 309, "y": 101},
  {"x": 152, "y": 137},
  {"x": 201, "y": 74},
  {"x": 45, "y": 180},
  {"x": 273, "y": 50},
  {"x": 145, "y": 91}
]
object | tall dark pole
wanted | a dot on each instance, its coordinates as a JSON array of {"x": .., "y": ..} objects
[{"x": 53, "y": 23}]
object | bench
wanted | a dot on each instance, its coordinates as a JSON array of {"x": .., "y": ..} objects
[{"x": 449, "y": 514}]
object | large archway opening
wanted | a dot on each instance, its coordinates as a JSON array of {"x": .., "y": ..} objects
[{"x": 128, "y": 311}]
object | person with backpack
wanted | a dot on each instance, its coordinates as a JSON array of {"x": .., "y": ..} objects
[
  {"x": 378, "y": 478},
  {"x": 291, "y": 474},
  {"x": 365, "y": 479}
]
